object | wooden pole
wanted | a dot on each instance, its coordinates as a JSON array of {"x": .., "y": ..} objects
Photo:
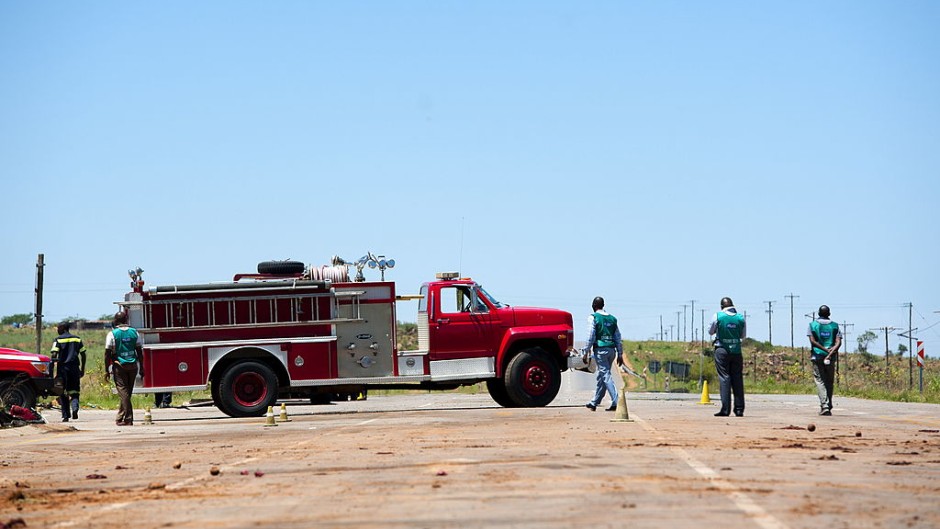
[{"x": 39, "y": 266}]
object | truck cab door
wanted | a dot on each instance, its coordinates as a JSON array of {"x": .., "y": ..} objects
[{"x": 463, "y": 324}]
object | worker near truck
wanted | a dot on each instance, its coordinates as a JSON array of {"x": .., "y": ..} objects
[
  {"x": 68, "y": 353},
  {"x": 605, "y": 342},
  {"x": 825, "y": 340},
  {"x": 124, "y": 359},
  {"x": 730, "y": 330}
]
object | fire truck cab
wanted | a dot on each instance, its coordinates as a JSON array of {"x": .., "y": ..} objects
[{"x": 314, "y": 332}]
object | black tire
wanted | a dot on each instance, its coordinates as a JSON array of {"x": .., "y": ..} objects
[
  {"x": 214, "y": 391},
  {"x": 246, "y": 389},
  {"x": 497, "y": 389},
  {"x": 532, "y": 378},
  {"x": 16, "y": 391},
  {"x": 281, "y": 267}
]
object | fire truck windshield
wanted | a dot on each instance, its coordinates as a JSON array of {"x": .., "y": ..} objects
[{"x": 491, "y": 299}]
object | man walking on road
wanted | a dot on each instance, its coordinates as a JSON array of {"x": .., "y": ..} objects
[
  {"x": 68, "y": 353},
  {"x": 825, "y": 340},
  {"x": 730, "y": 330},
  {"x": 123, "y": 352},
  {"x": 604, "y": 339}
]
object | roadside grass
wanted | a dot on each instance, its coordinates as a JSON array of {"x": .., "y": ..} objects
[
  {"x": 782, "y": 370},
  {"x": 767, "y": 369}
]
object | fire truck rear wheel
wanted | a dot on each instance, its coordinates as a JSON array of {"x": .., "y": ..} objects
[
  {"x": 532, "y": 378},
  {"x": 497, "y": 389},
  {"x": 18, "y": 394},
  {"x": 281, "y": 267},
  {"x": 247, "y": 388}
]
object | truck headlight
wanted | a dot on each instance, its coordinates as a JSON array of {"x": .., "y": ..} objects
[{"x": 43, "y": 367}]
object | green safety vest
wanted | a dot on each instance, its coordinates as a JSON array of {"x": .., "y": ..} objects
[
  {"x": 604, "y": 327},
  {"x": 125, "y": 345},
  {"x": 825, "y": 334},
  {"x": 729, "y": 331}
]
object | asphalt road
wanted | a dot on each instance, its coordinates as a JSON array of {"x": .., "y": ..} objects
[{"x": 450, "y": 460}]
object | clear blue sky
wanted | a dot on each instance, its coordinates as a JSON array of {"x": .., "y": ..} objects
[{"x": 650, "y": 152}]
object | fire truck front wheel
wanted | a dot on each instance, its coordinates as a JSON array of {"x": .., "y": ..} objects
[
  {"x": 246, "y": 389},
  {"x": 532, "y": 378},
  {"x": 497, "y": 390}
]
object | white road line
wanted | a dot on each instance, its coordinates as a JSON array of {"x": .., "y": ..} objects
[
  {"x": 740, "y": 499},
  {"x": 106, "y": 508}
]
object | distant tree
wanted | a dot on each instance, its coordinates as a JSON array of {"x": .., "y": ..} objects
[
  {"x": 21, "y": 319},
  {"x": 865, "y": 339},
  {"x": 901, "y": 349}
]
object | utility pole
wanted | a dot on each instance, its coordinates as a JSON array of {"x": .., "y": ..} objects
[
  {"x": 661, "y": 335},
  {"x": 887, "y": 331},
  {"x": 701, "y": 354},
  {"x": 845, "y": 340},
  {"x": 770, "y": 321},
  {"x": 910, "y": 341},
  {"x": 692, "y": 323},
  {"x": 685, "y": 336},
  {"x": 676, "y": 336},
  {"x": 670, "y": 332},
  {"x": 703, "y": 329},
  {"x": 791, "y": 296},
  {"x": 40, "y": 264}
]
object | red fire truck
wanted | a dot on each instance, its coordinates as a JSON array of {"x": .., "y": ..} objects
[{"x": 297, "y": 331}]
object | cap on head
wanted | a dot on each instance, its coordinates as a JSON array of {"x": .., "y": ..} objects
[
  {"x": 120, "y": 318},
  {"x": 598, "y": 303},
  {"x": 726, "y": 302},
  {"x": 823, "y": 311}
]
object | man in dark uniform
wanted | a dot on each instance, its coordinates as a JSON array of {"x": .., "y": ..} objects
[{"x": 68, "y": 353}]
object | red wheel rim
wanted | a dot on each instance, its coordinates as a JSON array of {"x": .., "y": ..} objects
[
  {"x": 249, "y": 389},
  {"x": 537, "y": 378}
]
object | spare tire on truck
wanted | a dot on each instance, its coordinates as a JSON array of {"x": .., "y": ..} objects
[{"x": 281, "y": 267}]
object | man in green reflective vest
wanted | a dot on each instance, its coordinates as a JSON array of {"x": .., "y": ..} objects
[
  {"x": 825, "y": 340},
  {"x": 730, "y": 330},
  {"x": 604, "y": 338},
  {"x": 124, "y": 360}
]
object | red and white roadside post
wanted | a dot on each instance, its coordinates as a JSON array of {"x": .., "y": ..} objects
[{"x": 920, "y": 363}]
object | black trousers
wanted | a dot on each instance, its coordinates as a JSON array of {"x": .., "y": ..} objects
[
  {"x": 162, "y": 400},
  {"x": 72, "y": 380},
  {"x": 730, "y": 368}
]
